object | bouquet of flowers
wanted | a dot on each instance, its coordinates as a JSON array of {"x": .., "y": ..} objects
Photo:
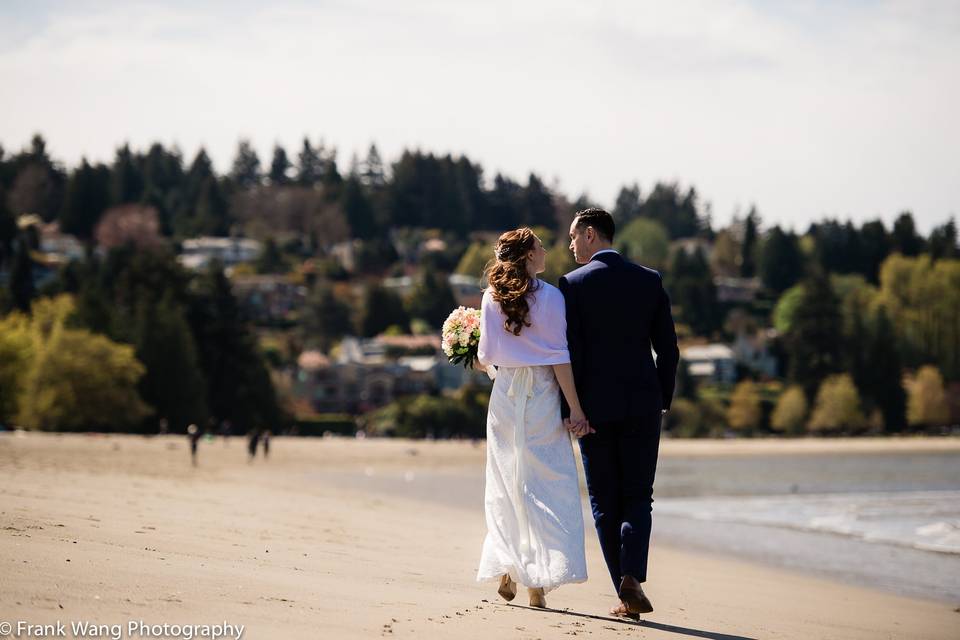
[{"x": 461, "y": 336}]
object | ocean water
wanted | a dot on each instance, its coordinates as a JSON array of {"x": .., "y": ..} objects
[
  {"x": 889, "y": 520},
  {"x": 924, "y": 520}
]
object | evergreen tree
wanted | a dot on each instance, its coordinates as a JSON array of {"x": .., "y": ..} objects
[
  {"x": 628, "y": 205},
  {"x": 372, "y": 173},
  {"x": 239, "y": 387},
  {"x": 246, "y": 171},
  {"x": 675, "y": 211},
  {"x": 279, "y": 167},
  {"x": 538, "y": 209},
  {"x": 173, "y": 384},
  {"x": 943, "y": 241},
  {"x": 693, "y": 293},
  {"x": 881, "y": 379},
  {"x": 781, "y": 261},
  {"x": 87, "y": 197},
  {"x": 212, "y": 210},
  {"x": 813, "y": 343},
  {"x": 127, "y": 182},
  {"x": 8, "y": 229},
  {"x": 22, "y": 289},
  {"x": 310, "y": 165},
  {"x": 748, "y": 259},
  {"x": 504, "y": 205},
  {"x": 904, "y": 236},
  {"x": 328, "y": 317},
  {"x": 358, "y": 209},
  {"x": 270, "y": 259},
  {"x": 874, "y": 248},
  {"x": 381, "y": 309}
]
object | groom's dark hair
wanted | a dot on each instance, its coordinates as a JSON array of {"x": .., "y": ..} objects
[{"x": 600, "y": 220}]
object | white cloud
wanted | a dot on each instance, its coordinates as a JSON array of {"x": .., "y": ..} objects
[{"x": 804, "y": 108}]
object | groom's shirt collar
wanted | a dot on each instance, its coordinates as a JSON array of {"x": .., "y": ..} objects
[{"x": 603, "y": 251}]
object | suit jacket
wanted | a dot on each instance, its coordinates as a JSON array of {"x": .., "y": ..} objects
[{"x": 617, "y": 311}]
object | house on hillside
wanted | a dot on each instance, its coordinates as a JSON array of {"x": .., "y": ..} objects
[
  {"x": 197, "y": 253},
  {"x": 711, "y": 362}
]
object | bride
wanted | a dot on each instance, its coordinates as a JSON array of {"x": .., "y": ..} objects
[{"x": 532, "y": 497}]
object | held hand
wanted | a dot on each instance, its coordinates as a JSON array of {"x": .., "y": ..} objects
[{"x": 578, "y": 424}]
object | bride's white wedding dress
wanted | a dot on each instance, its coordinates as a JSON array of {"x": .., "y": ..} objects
[{"x": 532, "y": 497}]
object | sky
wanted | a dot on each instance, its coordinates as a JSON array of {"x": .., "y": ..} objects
[{"x": 805, "y": 109}]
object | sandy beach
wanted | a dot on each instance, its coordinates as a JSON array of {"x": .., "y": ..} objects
[{"x": 114, "y": 529}]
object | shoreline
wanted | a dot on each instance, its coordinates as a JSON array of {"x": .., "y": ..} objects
[{"x": 121, "y": 527}]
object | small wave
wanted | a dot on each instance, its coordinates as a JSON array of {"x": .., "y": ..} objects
[{"x": 925, "y": 520}]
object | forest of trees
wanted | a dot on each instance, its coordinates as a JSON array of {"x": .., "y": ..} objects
[{"x": 867, "y": 316}]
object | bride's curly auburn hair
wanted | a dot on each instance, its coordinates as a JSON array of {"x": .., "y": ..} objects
[{"x": 509, "y": 281}]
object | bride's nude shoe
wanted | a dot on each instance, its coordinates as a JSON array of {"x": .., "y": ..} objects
[
  {"x": 537, "y": 598},
  {"x": 508, "y": 588}
]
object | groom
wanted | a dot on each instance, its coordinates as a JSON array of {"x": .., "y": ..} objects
[{"x": 617, "y": 311}]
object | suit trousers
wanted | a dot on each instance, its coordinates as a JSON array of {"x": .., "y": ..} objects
[{"x": 620, "y": 462}]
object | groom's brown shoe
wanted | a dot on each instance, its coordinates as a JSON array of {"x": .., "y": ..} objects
[{"x": 631, "y": 594}]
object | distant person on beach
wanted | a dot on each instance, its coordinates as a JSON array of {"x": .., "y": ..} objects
[
  {"x": 616, "y": 311},
  {"x": 193, "y": 433},
  {"x": 266, "y": 443},
  {"x": 531, "y": 497},
  {"x": 253, "y": 439}
]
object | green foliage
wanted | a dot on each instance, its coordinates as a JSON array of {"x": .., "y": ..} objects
[
  {"x": 684, "y": 420},
  {"x": 173, "y": 385},
  {"x": 780, "y": 262},
  {"x": 381, "y": 309},
  {"x": 676, "y": 211},
  {"x": 246, "y": 172},
  {"x": 790, "y": 414},
  {"x": 628, "y": 205},
  {"x": 644, "y": 241},
  {"x": 463, "y": 414},
  {"x": 928, "y": 405},
  {"x": 837, "y": 407},
  {"x": 904, "y": 237},
  {"x": 922, "y": 298},
  {"x": 271, "y": 260},
  {"x": 126, "y": 184},
  {"x": 431, "y": 299},
  {"x": 318, "y": 425},
  {"x": 748, "y": 255},
  {"x": 73, "y": 379},
  {"x": 943, "y": 241},
  {"x": 475, "y": 259},
  {"x": 358, "y": 209},
  {"x": 559, "y": 261},
  {"x": 692, "y": 292},
  {"x": 239, "y": 387},
  {"x": 21, "y": 287},
  {"x": 279, "y": 167},
  {"x": 744, "y": 413},
  {"x": 16, "y": 350},
  {"x": 87, "y": 197},
  {"x": 786, "y": 309},
  {"x": 328, "y": 317},
  {"x": 814, "y": 339}
]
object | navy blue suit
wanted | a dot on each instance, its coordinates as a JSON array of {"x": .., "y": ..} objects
[{"x": 617, "y": 311}]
